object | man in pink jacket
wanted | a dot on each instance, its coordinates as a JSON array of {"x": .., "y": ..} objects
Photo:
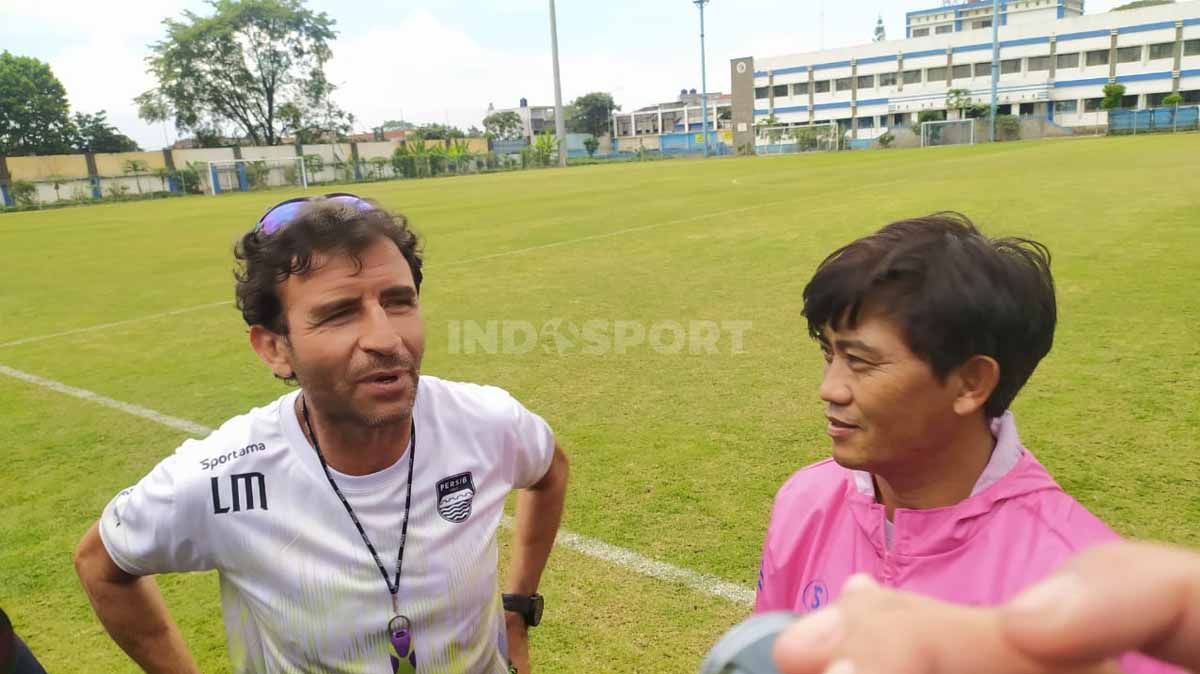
[{"x": 929, "y": 330}]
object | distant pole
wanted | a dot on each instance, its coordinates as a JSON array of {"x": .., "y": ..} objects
[
  {"x": 995, "y": 66},
  {"x": 560, "y": 122},
  {"x": 703, "y": 78}
]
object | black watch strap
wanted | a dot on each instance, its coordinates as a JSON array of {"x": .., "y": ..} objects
[{"x": 528, "y": 606}]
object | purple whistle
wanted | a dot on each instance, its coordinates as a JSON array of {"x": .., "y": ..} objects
[{"x": 400, "y": 634}]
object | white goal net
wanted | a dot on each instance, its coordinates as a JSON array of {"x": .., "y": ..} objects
[
  {"x": 948, "y": 132},
  {"x": 243, "y": 175},
  {"x": 785, "y": 139}
]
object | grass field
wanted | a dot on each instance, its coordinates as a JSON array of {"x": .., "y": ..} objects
[{"x": 675, "y": 456}]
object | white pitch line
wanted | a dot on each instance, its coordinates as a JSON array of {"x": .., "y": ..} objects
[
  {"x": 114, "y": 324},
  {"x": 83, "y": 394},
  {"x": 627, "y": 559}
]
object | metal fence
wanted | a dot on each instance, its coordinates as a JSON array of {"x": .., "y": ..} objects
[{"x": 1154, "y": 120}]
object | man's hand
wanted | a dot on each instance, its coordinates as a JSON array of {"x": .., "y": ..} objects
[
  {"x": 518, "y": 642},
  {"x": 1110, "y": 600}
]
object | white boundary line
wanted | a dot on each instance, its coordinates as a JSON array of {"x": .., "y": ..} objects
[
  {"x": 103, "y": 326},
  {"x": 591, "y": 547}
]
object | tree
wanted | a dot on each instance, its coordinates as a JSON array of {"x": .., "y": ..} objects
[
  {"x": 397, "y": 124},
  {"x": 438, "y": 132},
  {"x": 256, "y": 64},
  {"x": 590, "y": 113},
  {"x": 1172, "y": 99},
  {"x": 33, "y": 108},
  {"x": 591, "y": 145},
  {"x": 136, "y": 167},
  {"x": 93, "y": 133},
  {"x": 1137, "y": 4},
  {"x": 503, "y": 125},
  {"x": 1113, "y": 93},
  {"x": 958, "y": 99}
]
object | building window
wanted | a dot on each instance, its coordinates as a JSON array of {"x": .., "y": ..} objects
[
  {"x": 866, "y": 81},
  {"x": 843, "y": 83},
  {"x": 781, "y": 90},
  {"x": 1129, "y": 54},
  {"x": 912, "y": 76},
  {"x": 983, "y": 69},
  {"x": 1010, "y": 66},
  {"x": 1092, "y": 104},
  {"x": 1066, "y": 106},
  {"x": 1098, "y": 57},
  {"x": 985, "y": 23},
  {"x": 962, "y": 72},
  {"x": 866, "y": 122},
  {"x": 1038, "y": 63},
  {"x": 1192, "y": 96},
  {"x": 1162, "y": 50},
  {"x": 1130, "y": 101},
  {"x": 1191, "y": 47},
  {"x": 761, "y": 92},
  {"x": 1155, "y": 100},
  {"x": 1068, "y": 60},
  {"x": 936, "y": 74},
  {"x": 887, "y": 79},
  {"x": 821, "y": 87},
  {"x": 920, "y": 32},
  {"x": 944, "y": 28},
  {"x": 800, "y": 89}
]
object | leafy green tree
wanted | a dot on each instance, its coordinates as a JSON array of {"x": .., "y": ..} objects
[
  {"x": 591, "y": 145},
  {"x": 503, "y": 125},
  {"x": 34, "y": 115},
  {"x": 256, "y": 64},
  {"x": 1113, "y": 93},
  {"x": 93, "y": 133},
  {"x": 136, "y": 167},
  {"x": 590, "y": 113}
]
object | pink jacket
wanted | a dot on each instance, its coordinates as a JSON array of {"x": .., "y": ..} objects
[{"x": 826, "y": 526}]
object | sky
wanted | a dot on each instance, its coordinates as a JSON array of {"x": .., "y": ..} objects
[{"x": 446, "y": 60}]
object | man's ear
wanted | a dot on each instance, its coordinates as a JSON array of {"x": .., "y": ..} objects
[
  {"x": 274, "y": 350},
  {"x": 976, "y": 379}
]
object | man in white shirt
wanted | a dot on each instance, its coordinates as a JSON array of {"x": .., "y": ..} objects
[{"x": 353, "y": 521}]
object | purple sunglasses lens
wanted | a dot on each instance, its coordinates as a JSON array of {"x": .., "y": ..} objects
[{"x": 279, "y": 217}]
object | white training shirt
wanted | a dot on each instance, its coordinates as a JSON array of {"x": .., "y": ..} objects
[{"x": 300, "y": 591}]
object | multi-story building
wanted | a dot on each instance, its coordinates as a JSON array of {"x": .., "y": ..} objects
[{"x": 1053, "y": 62}]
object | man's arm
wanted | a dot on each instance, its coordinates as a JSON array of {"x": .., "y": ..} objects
[
  {"x": 539, "y": 511},
  {"x": 131, "y": 608}
]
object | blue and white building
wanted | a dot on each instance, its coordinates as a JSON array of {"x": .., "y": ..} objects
[{"x": 1054, "y": 61}]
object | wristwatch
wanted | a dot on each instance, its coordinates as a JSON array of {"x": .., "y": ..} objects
[{"x": 528, "y": 606}]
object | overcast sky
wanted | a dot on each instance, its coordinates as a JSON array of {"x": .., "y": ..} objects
[{"x": 446, "y": 60}]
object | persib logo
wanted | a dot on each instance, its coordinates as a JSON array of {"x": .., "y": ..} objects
[{"x": 455, "y": 494}]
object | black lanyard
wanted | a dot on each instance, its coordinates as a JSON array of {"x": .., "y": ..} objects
[{"x": 393, "y": 588}]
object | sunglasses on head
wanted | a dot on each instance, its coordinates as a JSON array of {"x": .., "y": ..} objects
[{"x": 283, "y": 213}]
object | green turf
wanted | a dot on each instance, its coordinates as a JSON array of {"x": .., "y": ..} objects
[{"x": 674, "y": 456}]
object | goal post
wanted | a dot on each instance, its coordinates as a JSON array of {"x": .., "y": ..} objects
[
  {"x": 243, "y": 175},
  {"x": 948, "y": 132},
  {"x": 787, "y": 139}
]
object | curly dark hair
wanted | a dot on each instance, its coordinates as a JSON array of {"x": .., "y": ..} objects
[
  {"x": 266, "y": 260},
  {"x": 954, "y": 292}
]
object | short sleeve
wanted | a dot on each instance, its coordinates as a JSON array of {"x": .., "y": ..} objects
[
  {"x": 529, "y": 446},
  {"x": 767, "y": 594},
  {"x": 153, "y": 527}
]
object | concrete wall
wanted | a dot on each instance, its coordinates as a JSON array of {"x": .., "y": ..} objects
[
  {"x": 113, "y": 165},
  {"x": 41, "y": 168},
  {"x": 273, "y": 152},
  {"x": 376, "y": 149},
  {"x": 632, "y": 143}
]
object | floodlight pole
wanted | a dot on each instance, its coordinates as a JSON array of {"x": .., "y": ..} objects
[
  {"x": 995, "y": 67},
  {"x": 560, "y": 123},
  {"x": 703, "y": 78}
]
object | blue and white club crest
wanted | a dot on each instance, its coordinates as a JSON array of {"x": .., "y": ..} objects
[{"x": 455, "y": 494}]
